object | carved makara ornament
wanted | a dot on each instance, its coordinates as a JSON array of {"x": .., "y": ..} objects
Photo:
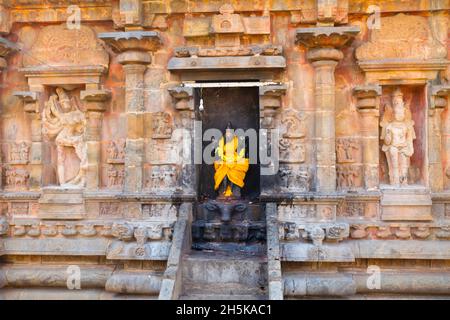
[
  {"x": 398, "y": 134},
  {"x": 63, "y": 118}
]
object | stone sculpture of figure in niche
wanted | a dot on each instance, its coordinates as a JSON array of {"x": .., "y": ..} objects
[
  {"x": 231, "y": 166},
  {"x": 63, "y": 118},
  {"x": 398, "y": 134}
]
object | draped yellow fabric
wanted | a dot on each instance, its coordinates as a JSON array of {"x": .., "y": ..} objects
[{"x": 231, "y": 164}]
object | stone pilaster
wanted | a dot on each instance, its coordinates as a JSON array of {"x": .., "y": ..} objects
[
  {"x": 184, "y": 103},
  {"x": 368, "y": 100},
  {"x": 270, "y": 104},
  {"x": 133, "y": 48},
  {"x": 31, "y": 107},
  {"x": 94, "y": 100},
  {"x": 324, "y": 54},
  {"x": 439, "y": 137}
]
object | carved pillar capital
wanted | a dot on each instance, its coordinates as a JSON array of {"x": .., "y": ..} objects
[
  {"x": 367, "y": 97},
  {"x": 439, "y": 96},
  {"x": 326, "y": 37}
]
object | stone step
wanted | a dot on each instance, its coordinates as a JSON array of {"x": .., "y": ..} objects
[
  {"x": 229, "y": 288},
  {"x": 220, "y": 268},
  {"x": 221, "y": 297}
]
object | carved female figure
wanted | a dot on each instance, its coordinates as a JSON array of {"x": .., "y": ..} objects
[
  {"x": 398, "y": 134},
  {"x": 63, "y": 118}
]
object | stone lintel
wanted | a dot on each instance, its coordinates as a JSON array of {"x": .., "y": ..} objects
[
  {"x": 67, "y": 77},
  {"x": 224, "y": 63},
  {"x": 132, "y": 40},
  {"x": 402, "y": 71},
  {"x": 321, "y": 37}
]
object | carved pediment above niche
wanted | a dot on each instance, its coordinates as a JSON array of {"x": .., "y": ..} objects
[
  {"x": 58, "y": 46},
  {"x": 405, "y": 49},
  {"x": 403, "y": 37},
  {"x": 226, "y": 28}
]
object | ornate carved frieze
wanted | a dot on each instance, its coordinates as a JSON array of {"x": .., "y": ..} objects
[{"x": 316, "y": 233}]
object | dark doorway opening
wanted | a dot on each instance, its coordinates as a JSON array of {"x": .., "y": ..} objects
[{"x": 240, "y": 106}]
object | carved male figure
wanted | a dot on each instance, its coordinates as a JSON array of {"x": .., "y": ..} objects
[
  {"x": 398, "y": 134},
  {"x": 63, "y": 118}
]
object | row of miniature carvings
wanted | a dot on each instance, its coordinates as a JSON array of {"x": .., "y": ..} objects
[
  {"x": 121, "y": 230},
  {"x": 339, "y": 231}
]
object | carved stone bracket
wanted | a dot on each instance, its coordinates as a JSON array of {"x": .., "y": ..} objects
[{"x": 6, "y": 48}]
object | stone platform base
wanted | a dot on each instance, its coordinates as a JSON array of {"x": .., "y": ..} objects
[
  {"x": 62, "y": 203},
  {"x": 410, "y": 203}
]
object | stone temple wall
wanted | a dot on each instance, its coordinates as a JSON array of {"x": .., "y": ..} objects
[{"x": 97, "y": 135}]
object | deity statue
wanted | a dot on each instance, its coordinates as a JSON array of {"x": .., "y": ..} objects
[
  {"x": 398, "y": 134},
  {"x": 231, "y": 166},
  {"x": 63, "y": 118}
]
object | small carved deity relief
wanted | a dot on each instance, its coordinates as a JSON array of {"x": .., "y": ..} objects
[
  {"x": 115, "y": 176},
  {"x": 294, "y": 126},
  {"x": 294, "y": 179},
  {"x": 16, "y": 178},
  {"x": 116, "y": 151},
  {"x": 398, "y": 134},
  {"x": 292, "y": 150},
  {"x": 19, "y": 153},
  {"x": 345, "y": 150},
  {"x": 347, "y": 176},
  {"x": 162, "y": 177},
  {"x": 162, "y": 125},
  {"x": 63, "y": 120}
]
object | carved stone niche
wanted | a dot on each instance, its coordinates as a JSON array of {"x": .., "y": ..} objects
[{"x": 65, "y": 67}]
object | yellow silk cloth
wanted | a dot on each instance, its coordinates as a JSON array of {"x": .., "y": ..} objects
[{"x": 231, "y": 164}]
